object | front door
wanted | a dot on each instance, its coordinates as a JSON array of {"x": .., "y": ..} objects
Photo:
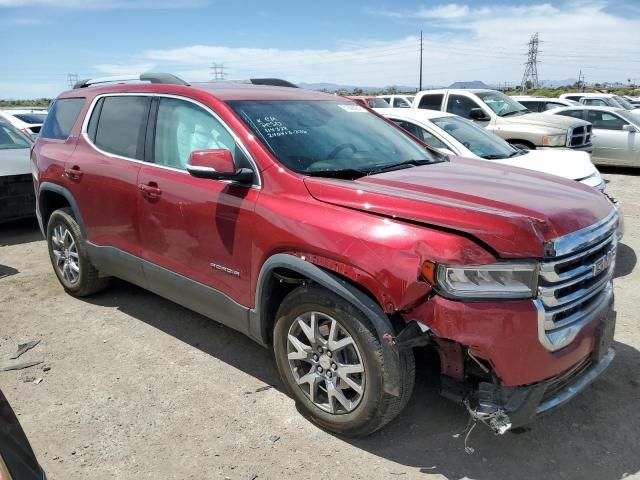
[
  {"x": 193, "y": 230},
  {"x": 612, "y": 144}
]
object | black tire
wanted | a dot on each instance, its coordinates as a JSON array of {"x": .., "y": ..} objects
[
  {"x": 376, "y": 408},
  {"x": 522, "y": 145},
  {"x": 88, "y": 280}
]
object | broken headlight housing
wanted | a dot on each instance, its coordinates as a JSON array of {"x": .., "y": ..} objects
[{"x": 495, "y": 281}]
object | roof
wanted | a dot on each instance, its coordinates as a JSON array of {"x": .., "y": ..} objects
[
  {"x": 413, "y": 113},
  {"x": 224, "y": 91}
]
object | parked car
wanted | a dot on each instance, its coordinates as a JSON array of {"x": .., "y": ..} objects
[
  {"x": 325, "y": 232},
  {"x": 541, "y": 104},
  {"x": 17, "y": 460},
  {"x": 398, "y": 101},
  {"x": 635, "y": 101},
  {"x": 458, "y": 136},
  {"x": 369, "y": 101},
  {"x": 603, "y": 100},
  {"x": 508, "y": 119},
  {"x": 616, "y": 133},
  {"x": 27, "y": 120},
  {"x": 17, "y": 198}
]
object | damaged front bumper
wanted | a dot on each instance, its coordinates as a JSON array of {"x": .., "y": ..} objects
[{"x": 504, "y": 408}]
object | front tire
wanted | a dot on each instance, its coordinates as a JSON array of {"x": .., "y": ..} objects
[
  {"x": 331, "y": 361},
  {"x": 69, "y": 256}
]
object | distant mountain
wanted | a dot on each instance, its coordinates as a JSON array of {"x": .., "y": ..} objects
[
  {"x": 332, "y": 87},
  {"x": 473, "y": 84}
]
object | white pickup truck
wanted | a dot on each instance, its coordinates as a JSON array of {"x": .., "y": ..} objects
[{"x": 508, "y": 119}]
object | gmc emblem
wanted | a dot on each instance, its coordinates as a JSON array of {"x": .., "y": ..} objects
[{"x": 602, "y": 263}]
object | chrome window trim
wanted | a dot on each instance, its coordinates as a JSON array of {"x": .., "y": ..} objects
[
  {"x": 239, "y": 142},
  {"x": 583, "y": 238}
]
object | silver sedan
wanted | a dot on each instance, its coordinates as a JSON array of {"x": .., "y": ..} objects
[{"x": 616, "y": 133}]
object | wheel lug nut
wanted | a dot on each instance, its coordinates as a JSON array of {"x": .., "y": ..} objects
[
  {"x": 319, "y": 349},
  {"x": 329, "y": 374},
  {"x": 334, "y": 366},
  {"x": 315, "y": 357},
  {"x": 320, "y": 369},
  {"x": 329, "y": 354}
]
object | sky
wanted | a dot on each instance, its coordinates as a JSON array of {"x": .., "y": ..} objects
[{"x": 353, "y": 42}]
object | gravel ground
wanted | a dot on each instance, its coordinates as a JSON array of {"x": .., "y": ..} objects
[{"x": 139, "y": 388}]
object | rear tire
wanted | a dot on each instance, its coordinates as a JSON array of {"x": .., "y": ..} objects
[
  {"x": 69, "y": 256},
  {"x": 341, "y": 357}
]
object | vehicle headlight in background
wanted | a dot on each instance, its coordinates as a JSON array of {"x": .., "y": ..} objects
[
  {"x": 557, "y": 140},
  {"x": 499, "y": 280}
]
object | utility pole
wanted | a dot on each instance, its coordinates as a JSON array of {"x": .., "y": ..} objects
[
  {"x": 72, "y": 79},
  {"x": 421, "y": 49},
  {"x": 531, "y": 68},
  {"x": 217, "y": 71}
]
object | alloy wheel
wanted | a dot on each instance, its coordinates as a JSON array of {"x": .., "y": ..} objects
[{"x": 65, "y": 252}]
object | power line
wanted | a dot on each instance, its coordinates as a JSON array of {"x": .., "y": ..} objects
[
  {"x": 531, "y": 70},
  {"x": 217, "y": 71},
  {"x": 72, "y": 79},
  {"x": 421, "y": 50}
]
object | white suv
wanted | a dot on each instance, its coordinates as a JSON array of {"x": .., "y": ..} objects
[{"x": 27, "y": 120}]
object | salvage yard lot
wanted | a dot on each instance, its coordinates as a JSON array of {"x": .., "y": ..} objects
[{"x": 139, "y": 388}]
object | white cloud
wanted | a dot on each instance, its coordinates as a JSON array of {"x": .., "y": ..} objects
[
  {"x": 103, "y": 4},
  {"x": 451, "y": 10}
]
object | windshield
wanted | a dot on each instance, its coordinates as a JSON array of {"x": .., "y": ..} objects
[
  {"x": 481, "y": 142},
  {"x": 624, "y": 103},
  {"x": 11, "y": 138},
  {"x": 37, "y": 118},
  {"x": 501, "y": 104},
  {"x": 629, "y": 117},
  {"x": 410, "y": 98},
  {"x": 315, "y": 137},
  {"x": 378, "y": 103}
]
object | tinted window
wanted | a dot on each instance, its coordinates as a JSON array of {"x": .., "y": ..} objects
[
  {"x": 477, "y": 139},
  {"x": 31, "y": 117},
  {"x": 183, "y": 127},
  {"x": 61, "y": 118},
  {"x": 11, "y": 138},
  {"x": 575, "y": 98},
  {"x": 573, "y": 113},
  {"x": 400, "y": 103},
  {"x": 122, "y": 124},
  {"x": 414, "y": 130},
  {"x": 460, "y": 105},
  {"x": 595, "y": 101},
  {"x": 551, "y": 105},
  {"x": 605, "y": 120},
  {"x": 532, "y": 105},
  {"x": 431, "y": 102}
]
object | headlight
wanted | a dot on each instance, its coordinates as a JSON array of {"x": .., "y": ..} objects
[
  {"x": 499, "y": 280},
  {"x": 558, "y": 140}
]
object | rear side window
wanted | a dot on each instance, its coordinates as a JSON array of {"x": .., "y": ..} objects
[
  {"x": 121, "y": 124},
  {"x": 431, "y": 102},
  {"x": 61, "y": 118}
]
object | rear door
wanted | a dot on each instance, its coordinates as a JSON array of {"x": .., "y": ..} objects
[{"x": 199, "y": 229}]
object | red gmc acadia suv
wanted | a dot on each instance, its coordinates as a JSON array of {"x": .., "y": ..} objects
[{"x": 322, "y": 231}]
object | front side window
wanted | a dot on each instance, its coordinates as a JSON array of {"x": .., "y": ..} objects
[
  {"x": 482, "y": 143},
  {"x": 431, "y": 101},
  {"x": 11, "y": 138},
  {"x": 400, "y": 103},
  {"x": 183, "y": 127},
  {"x": 573, "y": 113},
  {"x": 323, "y": 136},
  {"x": 61, "y": 118},
  {"x": 121, "y": 126},
  {"x": 461, "y": 105},
  {"x": 604, "y": 120},
  {"x": 501, "y": 104}
]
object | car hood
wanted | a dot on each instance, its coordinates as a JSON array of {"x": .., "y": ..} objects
[
  {"x": 563, "y": 163},
  {"x": 511, "y": 210},
  {"x": 542, "y": 120},
  {"x": 14, "y": 161}
]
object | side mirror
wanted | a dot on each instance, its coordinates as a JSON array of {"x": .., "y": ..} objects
[
  {"x": 478, "y": 114},
  {"x": 217, "y": 165},
  {"x": 629, "y": 128}
]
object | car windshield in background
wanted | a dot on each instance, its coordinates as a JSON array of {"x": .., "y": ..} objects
[
  {"x": 624, "y": 103},
  {"x": 629, "y": 117},
  {"x": 477, "y": 139},
  {"x": 11, "y": 138},
  {"x": 378, "y": 103},
  {"x": 501, "y": 104},
  {"x": 38, "y": 118},
  {"x": 410, "y": 99},
  {"x": 327, "y": 138}
]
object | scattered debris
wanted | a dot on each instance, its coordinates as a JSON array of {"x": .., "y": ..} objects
[
  {"x": 253, "y": 476},
  {"x": 37, "y": 381},
  {"x": 46, "y": 368},
  {"x": 19, "y": 366},
  {"x": 397, "y": 473},
  {"x": 258, "y": 390},
  {"x": 6, "y": 271},
  {"x": 29, "y": 379},
  {"x": 24, "y": 347},
  {"x": 274, "y": 438}
]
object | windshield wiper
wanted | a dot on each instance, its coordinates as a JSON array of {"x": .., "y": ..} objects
[
  {"x": 521, "y": 112},
  {"x": 345, "y": 173},
  {"x": 399, "y": 166},
  {"x": 494, "y": 157}
]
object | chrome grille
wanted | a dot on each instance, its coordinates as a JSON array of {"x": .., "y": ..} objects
[
  {"x": 579, "y": 136},
  {"x": 575, "y": 284}
]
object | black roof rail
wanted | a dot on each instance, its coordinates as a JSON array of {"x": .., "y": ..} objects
[
  {"x": 274, "y": 82},
  {"x": 165, "y": 78}
]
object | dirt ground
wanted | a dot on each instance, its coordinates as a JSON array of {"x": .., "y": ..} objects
[{"x": 140, "y": 388}]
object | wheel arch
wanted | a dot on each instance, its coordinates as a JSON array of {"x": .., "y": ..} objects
[
  {"x": 283, "y": 272},
  {"x": 52, "y": 197}
]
